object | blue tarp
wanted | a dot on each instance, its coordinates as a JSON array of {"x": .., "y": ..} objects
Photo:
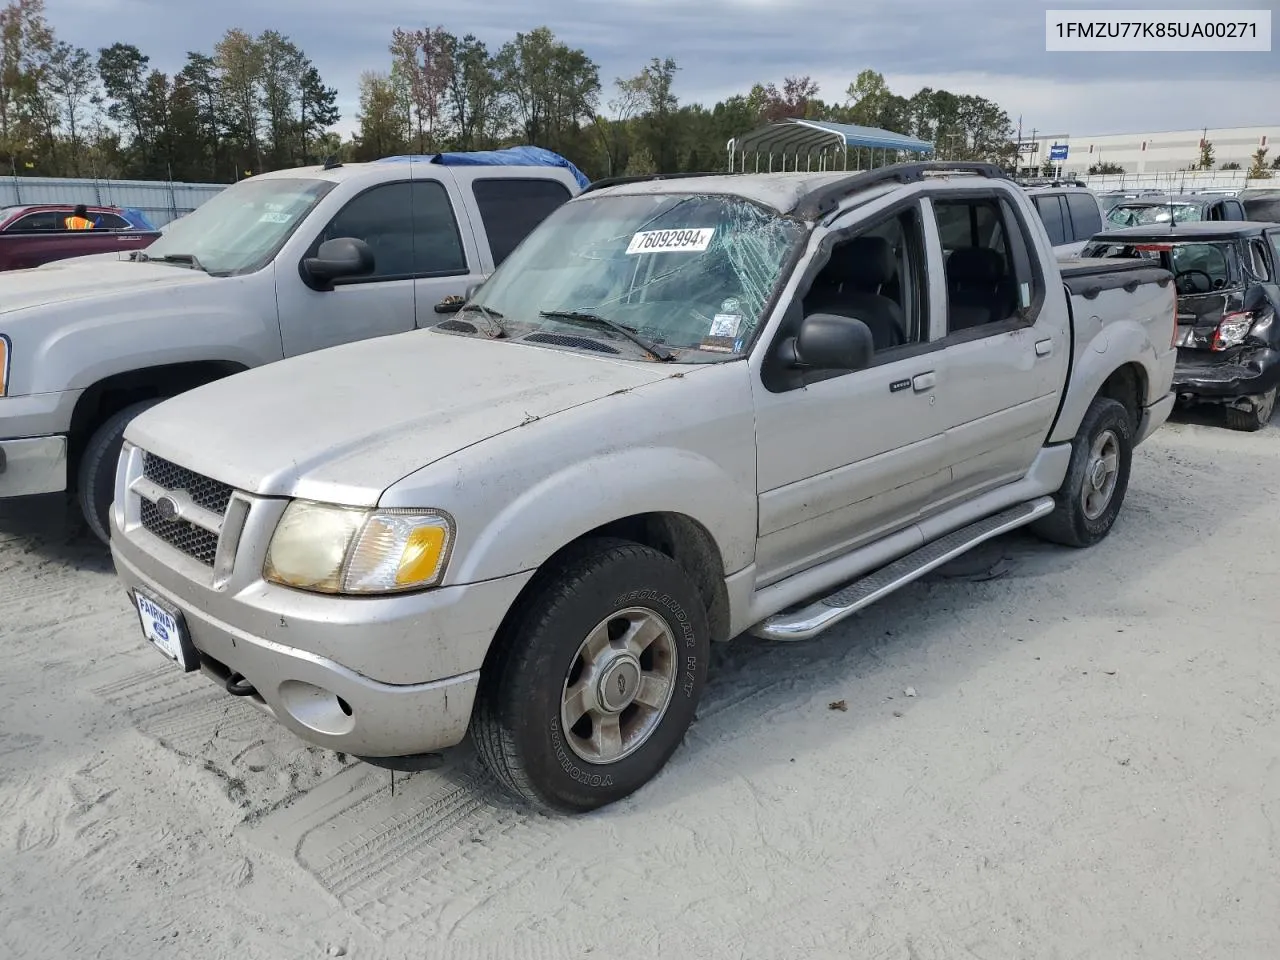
[
  {"x": 510, "y": 157},
  {"x": 137, "y": 218}
]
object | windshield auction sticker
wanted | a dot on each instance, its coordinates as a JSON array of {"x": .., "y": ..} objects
[{"x": 671, "y": 241}]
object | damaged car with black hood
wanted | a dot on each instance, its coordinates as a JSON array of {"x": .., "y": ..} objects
[{"x": 1228, "y": 302}]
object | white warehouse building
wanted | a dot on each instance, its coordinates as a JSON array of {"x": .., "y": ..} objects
[{"x": 1151, "y": 153}]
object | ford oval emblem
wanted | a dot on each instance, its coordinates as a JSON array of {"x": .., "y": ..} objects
[{"x": 167, "y": 507}]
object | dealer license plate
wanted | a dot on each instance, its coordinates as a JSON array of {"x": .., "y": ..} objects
[{"x": 163, "y": 627}]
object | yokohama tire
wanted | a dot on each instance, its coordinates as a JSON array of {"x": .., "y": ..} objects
[
  {"x": 1106, "y": 431},
  {"x": 518, "y": 725}
]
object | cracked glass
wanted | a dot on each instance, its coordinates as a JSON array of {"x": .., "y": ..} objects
[{"x": 691, "y": 273}]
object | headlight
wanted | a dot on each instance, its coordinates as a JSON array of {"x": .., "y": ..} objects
[{"x": 332, "y": 549}]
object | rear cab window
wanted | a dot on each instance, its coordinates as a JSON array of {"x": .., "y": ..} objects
[
  {"x": 510, "y": 208},
  {"x": 989, "y": 269}
]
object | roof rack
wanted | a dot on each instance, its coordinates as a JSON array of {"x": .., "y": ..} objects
[
  {"x": 827, "y": 197},
  {"x": 643, "y": 178}
]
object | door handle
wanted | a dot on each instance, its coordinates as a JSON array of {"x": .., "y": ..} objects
[
  {"x": 1044, "y": 348},
  {"x": 923, "y": 381}
]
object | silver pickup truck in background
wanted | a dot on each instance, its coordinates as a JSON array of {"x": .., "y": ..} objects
[
  {"x": 278, "y": 265},
  {"x": 685, "y": 408}
]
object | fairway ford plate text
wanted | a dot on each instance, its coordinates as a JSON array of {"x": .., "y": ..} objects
[
  {"x": 164, "y": 631},
  {"x": 1139, "y": 31}
]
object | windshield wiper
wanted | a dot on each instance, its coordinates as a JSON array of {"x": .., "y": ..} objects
[
  {"x": 596, "y": 320},
  {"x": 493, "y": 316},
  {"x": 188, "y": 258}
]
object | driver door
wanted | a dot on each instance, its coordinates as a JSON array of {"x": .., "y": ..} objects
[
  {"x": 845, "y": 458},
  {"x": 412, "y": 229}
]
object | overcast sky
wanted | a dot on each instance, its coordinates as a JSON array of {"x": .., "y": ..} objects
[{"x": 994, "y": 48}]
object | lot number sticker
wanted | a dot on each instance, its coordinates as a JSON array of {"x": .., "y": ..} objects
[{"x": 671, "y": 241}]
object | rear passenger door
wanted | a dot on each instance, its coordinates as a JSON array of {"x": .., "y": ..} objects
[
  {"x": 1007, "y": 341},
  {"x": 511, "y": 207}
]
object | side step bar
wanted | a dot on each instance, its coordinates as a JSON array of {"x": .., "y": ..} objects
[{"x": 808, "y": 621}]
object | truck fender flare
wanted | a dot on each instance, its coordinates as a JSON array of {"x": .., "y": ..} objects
[{"x": 1117, "y": 344}]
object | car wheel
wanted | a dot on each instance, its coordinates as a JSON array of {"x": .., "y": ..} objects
[
  {"x": 95, "y": 487},
  {"x": 1257, "y": 416},
  {"x": 1089, "y": 500},
  {"x": 595, "y": 677}
]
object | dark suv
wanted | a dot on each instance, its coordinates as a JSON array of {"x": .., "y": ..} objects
[{"x": 1228, "y": 310}]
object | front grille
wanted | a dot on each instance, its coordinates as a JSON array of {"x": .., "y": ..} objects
[
  {"x": 210, "y": 494},
  {"x": 194, "y": 541}
]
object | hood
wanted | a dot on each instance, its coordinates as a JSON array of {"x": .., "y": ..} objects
[
  {"x": 93, "y": 277},
  {"x": 343, "y": 424}
]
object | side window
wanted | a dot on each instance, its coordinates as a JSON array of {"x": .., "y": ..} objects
[
  {"x": 510, "y": 209},
  {"x": 1086, "y": 218},
  {"x": 40, "y": 222},
  {"x": 1051, "y": 213},
  {"x": 439, "y": 244},
  {"x": 983, "y": 279},
  {"x": 1258, "y": 260},
  {"x": 109, "y": 221},
  {"x": 383, "y": 218},
  {"x": 878, "y": 277}
]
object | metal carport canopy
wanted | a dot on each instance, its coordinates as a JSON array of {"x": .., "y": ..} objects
[{"x": 801, "y": 136}]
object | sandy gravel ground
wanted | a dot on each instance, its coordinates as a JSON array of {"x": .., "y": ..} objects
[{"x": 1089, "y": 768}]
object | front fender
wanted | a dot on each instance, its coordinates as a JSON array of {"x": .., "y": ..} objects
[
  {"x": 73, "y": 346},
  {"x": 1116, "y": 344},
  {"x": 538, "y": 521}
]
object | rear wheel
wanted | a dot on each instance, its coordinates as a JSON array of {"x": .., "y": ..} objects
[
  {"x": 595, "y": 680},
  {"x": 1257, "y": 416},
  {"x": 95, "y": 487},
  {"x": 1090, "y": 497}
]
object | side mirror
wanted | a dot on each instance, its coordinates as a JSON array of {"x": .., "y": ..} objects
[
  {"x": 830, "y": 342},
  {"x": 336, "y": 259},
  {"x": 455, "y": 303}
]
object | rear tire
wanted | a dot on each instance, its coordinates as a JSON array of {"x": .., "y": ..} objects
[
  {"x": 1090, "y": 497},
  {"x": 1264, "y": 405},
  {"x": 95, "y": 487},
  {"x": 594, "y": 679}
]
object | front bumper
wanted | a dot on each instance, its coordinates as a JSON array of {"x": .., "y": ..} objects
[
  {"x": 33, "y": 443},
  {"x": 1223, "y": 381},
  {"x": 32, "y": 465},
  {"x": 370, "y": 676}
]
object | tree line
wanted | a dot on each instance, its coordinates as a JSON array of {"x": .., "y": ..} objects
[{"x": 258, "y": 103}]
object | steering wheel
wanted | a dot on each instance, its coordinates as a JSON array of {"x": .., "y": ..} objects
[{"x": 1183, "y": 287}]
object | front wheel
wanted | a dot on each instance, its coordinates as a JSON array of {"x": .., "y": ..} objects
[
  {"x": 595, "y": 680},
  {"x": 96, "y": 484},
  {"x": 1089, "y": 500}
]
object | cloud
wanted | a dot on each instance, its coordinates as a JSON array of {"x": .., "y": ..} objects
[{"x": 990, "y": 47}]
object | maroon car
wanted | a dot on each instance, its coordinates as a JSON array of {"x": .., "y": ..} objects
[{"x": 36, "y": 233}]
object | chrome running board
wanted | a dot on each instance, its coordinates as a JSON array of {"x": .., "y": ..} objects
[{"x": 808, "y": 621}]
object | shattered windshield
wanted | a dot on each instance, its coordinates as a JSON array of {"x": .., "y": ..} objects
[
  {"x": 240, "y": 229},
  {"x": 1142, "y": 214},
  {"x": 691, "y": 273}
]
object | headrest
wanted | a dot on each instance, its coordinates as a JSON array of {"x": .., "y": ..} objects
[
  {"x": 866, "y": 262},
  {"x": 975, "y": 265}
]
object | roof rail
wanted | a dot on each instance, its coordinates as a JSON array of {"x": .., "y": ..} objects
[
  {"x": 827, "y": 197},
  {"x": 644, "y": 178}
]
